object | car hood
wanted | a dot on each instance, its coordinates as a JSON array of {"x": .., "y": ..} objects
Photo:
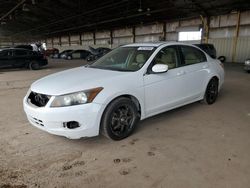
[{"x": 77, "y": 79}]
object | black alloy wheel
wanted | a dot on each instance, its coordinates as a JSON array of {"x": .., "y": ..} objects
[
  {"x": 211, "y": 92},
  {"x": 120, "y": 119}
]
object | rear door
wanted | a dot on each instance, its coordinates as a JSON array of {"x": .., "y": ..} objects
[{"x": 195, "y": 71}]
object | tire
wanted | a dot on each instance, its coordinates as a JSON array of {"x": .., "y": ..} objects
[
  {"x": 34, "y": 65},
  {"x": 69, "y": 57},
  {"x": 119, "y": 119},
  {"x": 211, "y": 92}
]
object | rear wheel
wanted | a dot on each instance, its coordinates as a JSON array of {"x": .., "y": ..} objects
[
  {"x": 211, "y": 91},
  {"x": 34, "y": 65},
  {"x": 119, "y": 119}
]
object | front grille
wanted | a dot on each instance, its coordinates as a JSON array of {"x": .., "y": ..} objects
[
  {"x": 37, "y": 121},
  {"x": 37, "y": 99}
]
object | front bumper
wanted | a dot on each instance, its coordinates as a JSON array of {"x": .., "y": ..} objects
[{"x": 51, "y": 119}]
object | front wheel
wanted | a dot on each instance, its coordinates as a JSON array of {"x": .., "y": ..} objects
[
  {"x": 119, "y": 119},
  {"x": 211, "y": 91}
]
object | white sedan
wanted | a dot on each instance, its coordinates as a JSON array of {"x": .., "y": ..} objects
[{"x": 130, "y": 83}]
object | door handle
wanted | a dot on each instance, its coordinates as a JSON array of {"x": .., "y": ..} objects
[{"x": 181, "y": 73}]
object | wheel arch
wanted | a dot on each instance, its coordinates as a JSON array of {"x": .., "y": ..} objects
[
  {"x": 134, "y": 99},
  {"x": 213, "y": 77}
]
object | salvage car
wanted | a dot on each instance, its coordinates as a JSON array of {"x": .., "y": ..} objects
[
  {"x": 210, "y": 50},
  {"x": 51, "y": 52},
  {"x": 61, "y": 55},
  {"x": 17, "y": 58},
  {"x": 247, "y": 65},
  {"x": 27, "y": 47},
  {"x": 77, "y": 54},
  {"x": 131, "y": 83},
  {"x": 97, "y": 53}
]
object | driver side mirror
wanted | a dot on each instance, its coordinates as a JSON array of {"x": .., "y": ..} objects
[{"x": 159, "y": 68}]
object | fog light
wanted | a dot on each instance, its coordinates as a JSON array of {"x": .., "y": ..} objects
[{"x": 71, "y": 124}]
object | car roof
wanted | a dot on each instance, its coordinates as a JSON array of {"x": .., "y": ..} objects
[
  {"x": 16, "y": 49},
  {"x": 80, "y": 50},
  {"x": 154, "y": 44},
  {"x": 204, "y": 44}
]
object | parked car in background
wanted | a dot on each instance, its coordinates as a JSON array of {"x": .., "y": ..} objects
[
  {"x": 61, "y": 55},
  {"x": 51, "y": 52},
  {"x": 131, "y": 83},
  {"x": 27, "y": 47},
  {"x": 77, "y": 54},
  {"x": 37, "y": 47},
  {"x": 247, "y": 65},
  {"x": 210, "y": 50},
  {"x": 17, "y": 58},
  {"x": 97, "y": 53}
]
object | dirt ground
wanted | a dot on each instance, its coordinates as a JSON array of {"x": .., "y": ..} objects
[{"x": 191, "y": 147}]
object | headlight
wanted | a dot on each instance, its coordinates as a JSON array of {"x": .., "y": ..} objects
[
  {"x": 77, "y": 98},
  {"x": 247, "y": 62}
]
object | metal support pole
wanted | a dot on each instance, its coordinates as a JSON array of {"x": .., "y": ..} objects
[
  {"x": 60, "y": 40},
  {"x": 94, "y": 38},
  {"x": 133, "y": 34},
  {"x": 111, "y": 38},
  {"x": 164, "y": 31},
  {"x": 52, "y": 42},
  {"x": 69, "y": 40},
  {"x": 236, "y": 38},
  {"x": 80, "y": 38},
  {"x": 205, "y": 34}
]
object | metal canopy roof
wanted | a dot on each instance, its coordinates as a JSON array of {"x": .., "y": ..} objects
[{"x": 39, "y": 18}]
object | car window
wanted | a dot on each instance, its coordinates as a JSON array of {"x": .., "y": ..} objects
[
  {"x": 192, "y": 55},
  {"x": 167, "y": 56},
  {"x": 20, "y": 53},
  {"x": 125, "y": 58}
]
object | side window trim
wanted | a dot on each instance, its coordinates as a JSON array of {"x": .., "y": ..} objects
[{"x": 182, "y": 60}]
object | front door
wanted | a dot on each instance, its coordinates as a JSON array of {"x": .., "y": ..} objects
[{"x": 164, "y": 91}]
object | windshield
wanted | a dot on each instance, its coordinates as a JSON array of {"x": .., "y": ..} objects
[{"x": 124, "y": 59}]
